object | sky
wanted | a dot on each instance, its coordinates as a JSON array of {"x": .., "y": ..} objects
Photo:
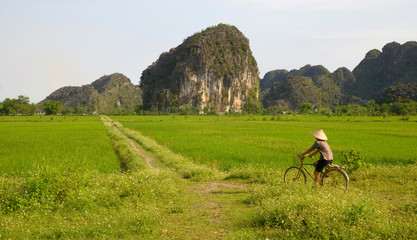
[{"x": 49, "y": 44}]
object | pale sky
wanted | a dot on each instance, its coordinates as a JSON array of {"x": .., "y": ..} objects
[{"x": 49, "y": 44}]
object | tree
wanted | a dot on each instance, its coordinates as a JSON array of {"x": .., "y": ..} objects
[
  {"x": 18, "y": 106},
  {"x": 306, "y": 107},
  {"x": 68, "y": 111},
  {"x": 52, "y": 107},
  {"x": 253, "y": 105},
  {"x": 404, "y": 107}
]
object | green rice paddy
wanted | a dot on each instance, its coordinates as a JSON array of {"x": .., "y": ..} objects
[
  {"x": 60, "y": 142},
  {"x": 60, "y": 178},
  {"x": 273, "y": 142}
]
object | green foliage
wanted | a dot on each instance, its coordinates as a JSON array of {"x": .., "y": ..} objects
[
  {"x": 353, "y": 160},
  {"x": 68, "y": 111},
  {"x": 18, "y": 106},
  {"x": 306, "y": 107},
  {"x": 253, "y": 105},
  {"x": 52, "y": 107},
  {"x": 404, "y": 107}
]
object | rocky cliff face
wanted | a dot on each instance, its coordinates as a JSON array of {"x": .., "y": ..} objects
[
  {"x": 211, "y": 69},
  {"x": 111, "y": 94},
  {"x": 272, "y": 77},
  {"x": 395, "y": 64}
]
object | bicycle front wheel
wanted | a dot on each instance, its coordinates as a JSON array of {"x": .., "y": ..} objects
[
  {"x": 294, "y": 175},
  {"x": 336, "y": 179}
]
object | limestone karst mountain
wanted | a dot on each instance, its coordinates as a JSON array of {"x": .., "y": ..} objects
[{"x": 211, "y": 69}]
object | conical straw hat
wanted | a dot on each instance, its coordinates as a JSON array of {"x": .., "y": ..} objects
[{"x": 319, "y": 134}]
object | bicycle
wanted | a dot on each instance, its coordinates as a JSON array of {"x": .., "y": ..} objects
[{"x": 332, "y": 175}]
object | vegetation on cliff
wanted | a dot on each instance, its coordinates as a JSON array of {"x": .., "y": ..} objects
[{"x": 398, "y": 92}]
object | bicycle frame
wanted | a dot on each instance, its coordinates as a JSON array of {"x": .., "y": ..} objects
[{"x": 305, "y": 169}]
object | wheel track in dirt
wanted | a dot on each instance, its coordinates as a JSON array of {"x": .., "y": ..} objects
[{"x": 150, "y": 160}]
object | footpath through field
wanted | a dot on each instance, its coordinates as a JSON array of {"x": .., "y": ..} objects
[{"x": 210, "y": 210}]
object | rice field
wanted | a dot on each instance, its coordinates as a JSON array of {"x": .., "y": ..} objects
[
  {"x": 272, "y": 142},
  {"x": 59, "y": 142},
  {"x": 60, "y": 178}
]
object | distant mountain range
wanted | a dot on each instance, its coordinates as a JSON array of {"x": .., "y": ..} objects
[
  {"x": 215, "y": 69},
  {"x": 396, "y": 64},
  {"x": 111, "y": 94}
]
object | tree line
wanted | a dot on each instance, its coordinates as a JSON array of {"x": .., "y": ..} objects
[
  {"x": 403, "y": 106},
  {"x": 22, "y": 106}
]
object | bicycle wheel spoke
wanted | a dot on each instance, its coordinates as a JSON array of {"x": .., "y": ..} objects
[
  {"x": 335, "y": 179},
  {"x": 293, "y": 176}
]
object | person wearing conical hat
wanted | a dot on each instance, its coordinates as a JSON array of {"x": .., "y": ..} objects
[{"x": 322, "y": 147}]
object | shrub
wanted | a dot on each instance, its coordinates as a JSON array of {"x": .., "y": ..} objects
[{"x": 352, "y": 160}]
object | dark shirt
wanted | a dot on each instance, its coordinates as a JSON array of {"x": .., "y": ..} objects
[{"x": 324, "y": 149}]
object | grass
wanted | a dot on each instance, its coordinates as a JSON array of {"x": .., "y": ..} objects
[
  {"x": 49, "y": 204},
  {"x": 230, "y": 142},
  {"x": 60, "y": 142},
  {"x": 379, "y": 204},
  {"x": 239, "y": 200},
  {"x": 179, "y": 163}
]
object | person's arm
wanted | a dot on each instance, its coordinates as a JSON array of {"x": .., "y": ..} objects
[
  {"x": 309, "y": 150},
  {"x": 305, "y": 153},
  {"x": 314, "y": 153}
]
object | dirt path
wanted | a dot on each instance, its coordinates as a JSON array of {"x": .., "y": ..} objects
[
  {"x": 211, "y": 210},
  {"x": 150, "y": 160},
  {"x": 214, "y": 212}
]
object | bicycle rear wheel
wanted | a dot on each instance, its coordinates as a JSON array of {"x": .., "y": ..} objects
[
  {"x": 335, "y": 178},
  {"x": 294, "y": 176}
]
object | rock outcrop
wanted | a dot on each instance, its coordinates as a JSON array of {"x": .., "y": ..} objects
[
  {"x": 211, "y": 69},
  {"x": 111, "y": 94},
  {"x": 397, "y": 93}
]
